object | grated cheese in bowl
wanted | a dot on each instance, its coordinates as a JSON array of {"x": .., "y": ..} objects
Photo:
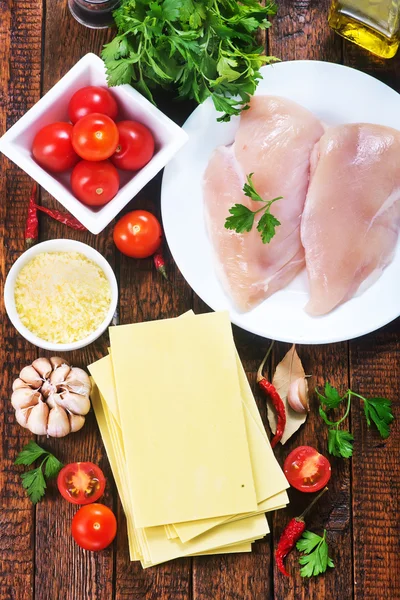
[{"x": 62, "y": 297}]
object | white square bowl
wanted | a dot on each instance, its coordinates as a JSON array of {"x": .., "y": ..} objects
[{"x": 16, "y": 144}]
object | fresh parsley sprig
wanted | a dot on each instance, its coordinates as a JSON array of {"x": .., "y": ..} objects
[
  {"x": 197, "y": 48},
  {"x": 34, "y": 481},
  {"x": 242, "y": 218},
  {"x": 377, "y": 410},
  {"x": 316, "y": 559}
]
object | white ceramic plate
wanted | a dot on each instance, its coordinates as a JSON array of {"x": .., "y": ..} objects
[{"x": 336, "y": 94}]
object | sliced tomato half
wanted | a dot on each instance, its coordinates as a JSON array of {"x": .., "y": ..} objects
[
  {"x": 81, "y": 482},
  {"x": 306, "y": 469}
]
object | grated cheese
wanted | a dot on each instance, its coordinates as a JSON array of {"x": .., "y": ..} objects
[{"x": 62, "y": 297}]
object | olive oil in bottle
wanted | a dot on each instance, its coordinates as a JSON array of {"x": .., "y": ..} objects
[{"x": 372, "y": 24}]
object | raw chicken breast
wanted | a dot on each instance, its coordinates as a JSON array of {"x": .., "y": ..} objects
[
  {"x": 351, "y": 218},
  {"x": 274, "y": 141}
]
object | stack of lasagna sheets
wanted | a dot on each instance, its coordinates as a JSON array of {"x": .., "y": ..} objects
[{"x": 191, "y": 460}]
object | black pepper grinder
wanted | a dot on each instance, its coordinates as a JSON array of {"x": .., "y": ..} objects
[{"x": 96, "y": 14}]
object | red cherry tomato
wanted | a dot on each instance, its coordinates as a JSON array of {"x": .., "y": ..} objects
[
  {"x": 306, "y": 469},
  {"x": 81, "y": 483},
  {"x": 135, "y": 147},
  {"x": 92, "y": 99},
  {"x": 95, "y": 183},
  {"x": 94, "y": 527},
  {"x": 52, "y": 147},
  {"x": 95, "y": 137},
  {"x": 138, "y": 234}
]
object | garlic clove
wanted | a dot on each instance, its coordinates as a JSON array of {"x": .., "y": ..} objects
[
  {"x": 75, "y": 403},
  {"x": 57, "y": 361},
  {"x": 298, "y": 395},
  {"x": 37, "y": 420},
  {"x": 59, "y": 375},
  {"x": 47, "y": 389},
  {"x": 31, "y": 376},
  {"x": 51, "y": 401},
  {"x": 43, "y": 367},
  {"x": 58, "y": 423},
  {"x": 76, "y": 422},
  {"x": 78, "y": 381},
  {"x": 22, "y": 415},
  {"x": 25, "y": 397},
  {"x": 19, "y": 383}
]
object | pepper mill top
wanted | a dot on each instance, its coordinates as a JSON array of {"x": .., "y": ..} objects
[{"x": 96, "y": 14}]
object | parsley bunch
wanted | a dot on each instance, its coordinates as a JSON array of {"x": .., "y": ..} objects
[
  {"x": 315, "y": 559},
  {"x": 242, "y": 218},
  {"x": 34, "y": 481},
  {"x": 198, "y": 48},
  {"x": 376, "y": 410}
]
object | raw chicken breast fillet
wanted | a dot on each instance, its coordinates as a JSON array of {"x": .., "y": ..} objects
[
  {"x": 351, "y": 218},
  {"x": 274, "y": 141}
]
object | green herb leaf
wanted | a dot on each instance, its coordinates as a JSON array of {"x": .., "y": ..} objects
[
  {"x": 379, "y": 410},
  {"x": 316, "y": 559},
  {"x": 249, "y": 191},
  {"x": 340, "y": 443},
  {"x": 187, "y": 31},
  {"x": 29, "y": 454},
  {"x": 52, "y": 466},
  {"x": 34, "y": 483},
  {"x": 332, "y": 398},
  {"x": 266, "y": 226},
  {"x": 243, "y": 218}
]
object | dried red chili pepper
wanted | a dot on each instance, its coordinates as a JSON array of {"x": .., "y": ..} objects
[
  {"x": 291, "y": 534},
  {"x": 159, "y": 263},
  {"x": 271, "y": 391},
  {"x": 32, "y": 221},
  {"x": 62, "y": 217}
]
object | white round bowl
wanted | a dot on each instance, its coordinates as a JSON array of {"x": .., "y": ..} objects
[{"x": 58, "y": 246}]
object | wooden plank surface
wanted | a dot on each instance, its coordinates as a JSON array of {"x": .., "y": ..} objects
[
  {"x": 38, "y": 559},
  {"x": 20, "y": 68}
]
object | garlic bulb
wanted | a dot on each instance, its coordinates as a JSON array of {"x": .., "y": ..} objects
[
  {"x": 298, "y": 395},
  {"x": 51, "y": 398}
]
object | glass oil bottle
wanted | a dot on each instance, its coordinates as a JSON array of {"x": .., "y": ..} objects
[{"x": 372, "y": 24}]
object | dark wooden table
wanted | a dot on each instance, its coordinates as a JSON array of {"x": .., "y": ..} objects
[{"x": 39, "y": 42}]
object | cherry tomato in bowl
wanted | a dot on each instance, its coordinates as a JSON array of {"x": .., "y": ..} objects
[
  {"x": 94, "y": 527},
  {"x": 81, "y": 482},
  {"x": 52, "y": 147},
  {"x": 92, "y": 99},
  {"x": 95, "y": 183},
  {"x": 95, "y": 137},
  {"x": 306, "y": 469},
  {"x": 138, "y": 234},
  {"x": 135, "y": 147}
]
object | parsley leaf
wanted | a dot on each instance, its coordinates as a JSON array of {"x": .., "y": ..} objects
[
  {"x": 332, "y": 398},
  {"x": 379, "y": 410},
  {"x": 34, "y": 481},
  {"x": 340, "y": 443},
  {"x": 242, "y": 218},
  {"x": 197, "y": 48},
  {"x": 29, "y": 454},
  {"x": 376, "y": 410},
  {"x": 316, "y": 559}
]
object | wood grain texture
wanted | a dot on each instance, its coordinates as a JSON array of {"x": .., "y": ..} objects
[
  {"x": 144, "y": 296},
  {"x": 20, "y": 51},
  {"x": 62, "y": 569},
  {"x": 375, "y": 371}
]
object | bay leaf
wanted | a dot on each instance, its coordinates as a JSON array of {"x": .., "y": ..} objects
[{"x": 288, "y": 370}]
